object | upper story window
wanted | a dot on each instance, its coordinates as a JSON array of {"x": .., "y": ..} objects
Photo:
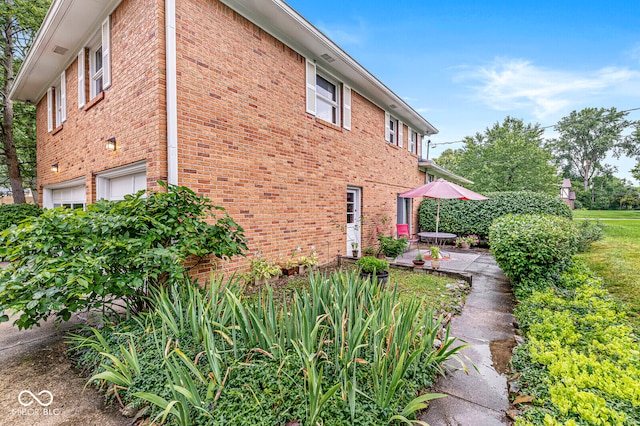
[
  {"x": 392, "y": 130},
  {"x": 324, "y": 98},
  {"x": 95, "y": 78},
  {"x": 57, "y": 103},
  {"x": 327, "y": 102},
  {"x": 413, "y": 141}
]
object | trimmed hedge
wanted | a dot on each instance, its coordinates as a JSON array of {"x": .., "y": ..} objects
[
  {"x": 533, "y": 249},
  {"x": 13, "y": 214},
  {"x": 475, "y": 217}
]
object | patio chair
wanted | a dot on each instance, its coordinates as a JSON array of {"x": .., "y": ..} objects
[{"x": 402, "y": 229}]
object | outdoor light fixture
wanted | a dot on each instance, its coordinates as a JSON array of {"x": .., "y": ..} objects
[
  {"x": 111, "y": 144},
  {"x": 54, "y": 168}
]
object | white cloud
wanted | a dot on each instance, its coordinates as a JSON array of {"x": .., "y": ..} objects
[
  {"x": 346, "y": 33},
  {"x": 508, "y": 84}
]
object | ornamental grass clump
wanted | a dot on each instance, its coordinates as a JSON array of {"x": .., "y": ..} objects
[{"x": 344, "y": 352}]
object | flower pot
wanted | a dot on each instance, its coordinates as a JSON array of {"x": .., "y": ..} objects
[
  {"x": 418, "y": 263},
  {"x": 465, "y": 246},
  {"x": 435, "y": 264},
  {"x": 301, "y": 269},
  {"x": 382, "y": 277},
  {"x": 354, "y": 253},
  {"x": 289, "y": 271}
]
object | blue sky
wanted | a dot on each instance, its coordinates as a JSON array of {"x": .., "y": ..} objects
[{"x": 465, "y": 65}]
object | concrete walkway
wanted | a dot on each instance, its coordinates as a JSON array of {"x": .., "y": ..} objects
[{"x": 486, "y": 324}]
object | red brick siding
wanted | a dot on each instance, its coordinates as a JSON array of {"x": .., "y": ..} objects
[
  {"x": 132, "y": 110},
  {"x": 246, "y": 142}
]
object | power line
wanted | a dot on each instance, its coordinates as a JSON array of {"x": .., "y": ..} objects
[{"x": 435, "y": 144}]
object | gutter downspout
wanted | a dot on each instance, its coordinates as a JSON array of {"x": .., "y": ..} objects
[{"x": 172, "y": 92}]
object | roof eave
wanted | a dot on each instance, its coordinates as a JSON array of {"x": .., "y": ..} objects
[
  {"x": 427, "y": 165},
  {"x": 287, "y": 25}
]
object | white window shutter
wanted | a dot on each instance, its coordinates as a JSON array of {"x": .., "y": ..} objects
[
  {"x": 63, "y": 97},
  {"x": 346, "y": 122},
  {"x": 106, "y": 53},
  {"x": 311, "y": 87},
  {"x": 387, "y": 129},
  {"x": 400, "y": 133},
  {"x": 409, "y": 135},
  {"x": 82, "y": 91},
  {"x": 419, "y": 147},
  {"x": 50, "y": 109}
]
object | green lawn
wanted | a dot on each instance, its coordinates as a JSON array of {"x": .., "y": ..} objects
[
  {"x": 606, "y": 214},
  {"x": 616, "y": 258}
]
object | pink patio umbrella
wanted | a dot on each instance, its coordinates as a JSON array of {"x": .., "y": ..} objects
[{"x": 442, "y": 189}]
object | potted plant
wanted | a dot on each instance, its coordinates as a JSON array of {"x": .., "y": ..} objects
[
  {"x": 392, "y": 247},
  {"x": 290, "y": 266},
  {"x": 262, "y": 270},
  {"x": 370, "y": 266},
  {"x": 418, "y": 261},
  {"x": 354, "y": 249},
  {"x": 467, "y": 241},
  {"x": 369, "y": 251},
  {"x": 308, "y": 261},
  {"x": 435, "y": 257}
]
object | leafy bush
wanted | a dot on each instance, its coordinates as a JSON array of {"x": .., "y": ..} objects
[
  {"x": 342, "y": 353},
  {"x": 532, "y": 249},
  {"x": 392, "y": 247},
  {"x": 369, "y": 264},
  {"x": 70, "y": 260},
  {"x": 465, "y": 217},
  {"x": 590, "y": 232},
  {"x": 13, "y": 214},
  {"x": 580, "y": 360}
]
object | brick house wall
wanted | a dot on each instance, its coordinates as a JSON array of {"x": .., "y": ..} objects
[
  {"x": 245, "y": 139},
  {"x": 132, "y": 109},
  {"x": 247, "y": 143}
]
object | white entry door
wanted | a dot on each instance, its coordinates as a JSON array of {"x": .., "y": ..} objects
[{"x": 353, "y": 219}]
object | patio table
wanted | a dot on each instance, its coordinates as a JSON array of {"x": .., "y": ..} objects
[{"x": 434, "y": 238}]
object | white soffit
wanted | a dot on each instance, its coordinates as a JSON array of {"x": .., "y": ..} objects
[
  {"x": 66, "y": 27},
  {"x": 284, "y": 23}
]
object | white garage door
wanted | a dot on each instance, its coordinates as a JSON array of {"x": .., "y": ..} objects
[
  {"x": 114, "y": 184},
  {"x": 73, "y": 197},
  {"x": 124, "y": 185}
]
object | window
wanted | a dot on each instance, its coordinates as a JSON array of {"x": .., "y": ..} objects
[
  {"x": 405, "y": 211},
  {"x": 323, "y": 97},
  {"x": 413, "y": 141},
  {"x": 57, "y": 103},
  {"x": 391, "y": 129},
  {"x": 98, "y": 76}
]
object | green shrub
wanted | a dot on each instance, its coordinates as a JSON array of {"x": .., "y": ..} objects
[
  {"x": 13, "y": 214},
  {"x": 465, "y": 217},
  {"x": 590, "y": 232},
  {"x": 392, "y": 247},
  {"x": 532, "y": 249},
  {"x": 369, "y": 264},
  {"x": 70, "y": 260}
]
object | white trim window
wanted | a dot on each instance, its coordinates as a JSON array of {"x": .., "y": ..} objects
[
  {"x": 99, "y": 75},
  {"x": 413, "y": 141},
  {"x": 390, "y": 129},
  {"x": 323, "y": 94},
  {"x": 57, "y": 103}
]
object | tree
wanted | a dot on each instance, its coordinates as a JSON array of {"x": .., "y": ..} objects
[
  {"x": 506, "y": 157},
  {"x": 635, "y": 172},
  {"x": 19, "y": 21},
  {"x": 587, "y": 137}
]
